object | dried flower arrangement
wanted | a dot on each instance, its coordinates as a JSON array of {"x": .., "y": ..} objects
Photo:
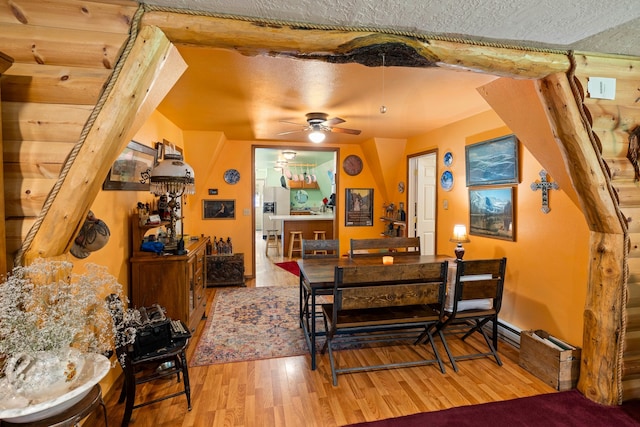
[{"x": 45, "y": 307}]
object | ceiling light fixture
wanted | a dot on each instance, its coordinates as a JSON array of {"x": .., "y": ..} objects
[
  {"x": 289, "y": 154},
  {"x": 317, "y": 136}
]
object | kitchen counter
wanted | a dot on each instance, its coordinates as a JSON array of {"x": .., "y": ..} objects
[
  {"x": 305, "y": 223},
  {"x": 310, "y": 217}
]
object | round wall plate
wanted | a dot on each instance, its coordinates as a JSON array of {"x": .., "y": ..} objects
[
  {"x": 446, "y": 181},
  {"x": 448, "y": 158},
  {"x": 231, "y": 176}
]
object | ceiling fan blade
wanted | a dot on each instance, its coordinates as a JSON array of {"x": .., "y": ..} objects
[
  {"x": 290, "y": 132},
  {"x": 293, "y": 123},
  {"x": 344, "y": 130},
  {"x": 333, "y": 121}
]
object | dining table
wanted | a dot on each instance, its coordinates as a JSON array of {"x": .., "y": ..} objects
[{"x": 317, "y": 279}]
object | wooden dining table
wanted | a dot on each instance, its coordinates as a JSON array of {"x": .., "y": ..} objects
[{"x": 317, "y": 278}]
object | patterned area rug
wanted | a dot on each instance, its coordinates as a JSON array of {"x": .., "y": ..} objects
[{"x": 251, "y": 324}]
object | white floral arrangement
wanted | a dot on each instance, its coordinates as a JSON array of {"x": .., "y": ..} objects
[{"x": 47, "y": 307}]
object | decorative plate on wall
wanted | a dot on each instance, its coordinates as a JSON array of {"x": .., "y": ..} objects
[
  {"x": 231, "y": 176},
  {"x": 448, "y": 158},
  {"x": 446, "y": 180}
]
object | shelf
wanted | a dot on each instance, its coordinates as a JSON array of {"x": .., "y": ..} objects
[{"x": 394, "y": 221}]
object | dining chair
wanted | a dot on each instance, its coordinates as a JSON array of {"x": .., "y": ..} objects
[
  {"x": 475, "y": 301},
  {"x": 384, "y": 246},
  {"x": 320, "y": 248},
  {"x": 312, "y": 249}
]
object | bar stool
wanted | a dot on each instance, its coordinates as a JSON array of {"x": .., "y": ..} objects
[
  {"x": 272, "y": 242},
  {"x": 319, "y": 235},
  {"x": 295, "y": 237}
]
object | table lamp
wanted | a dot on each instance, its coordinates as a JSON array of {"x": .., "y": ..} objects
[
  {"x": 459, "y": 236},
  {"x": 174, "y": 177}
]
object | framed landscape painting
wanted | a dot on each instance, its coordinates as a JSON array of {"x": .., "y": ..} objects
[
  {"x": 492, "y": 162},
  {"x": 491, "y": 212}
]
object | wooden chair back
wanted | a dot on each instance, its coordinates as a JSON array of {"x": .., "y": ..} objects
[
  {"x": 320, "y": 248},
  {"x": 384, "y": 245},
  {"x": 375, "y": 286},
  {"x": 480, "y": 280}
]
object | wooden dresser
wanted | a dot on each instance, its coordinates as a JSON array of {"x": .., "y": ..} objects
[{"x": 175, "y": 282}]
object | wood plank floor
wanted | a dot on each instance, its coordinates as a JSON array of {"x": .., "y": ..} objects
[{"x": 285, "y": 392}]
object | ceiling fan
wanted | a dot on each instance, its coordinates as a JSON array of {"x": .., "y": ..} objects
[{"x": 318, "y": 124}]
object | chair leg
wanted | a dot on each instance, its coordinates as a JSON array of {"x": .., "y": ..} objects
[
  {"x": 435, "y": 350},
  {"x": 334, "y": 376},
  {"x": 131, "y": 398},
  {"x": 446, "y": 347},
  {"x": 185, "y": 376}
]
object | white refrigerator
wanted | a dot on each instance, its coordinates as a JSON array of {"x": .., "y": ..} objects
[{"x": 275, "y": 202}]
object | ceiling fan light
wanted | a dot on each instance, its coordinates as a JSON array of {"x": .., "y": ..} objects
[
  {"x": 289, "y": 154},
  {"x": 317, "y": 136}
]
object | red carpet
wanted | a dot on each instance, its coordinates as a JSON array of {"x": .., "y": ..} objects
[
  {"x": 290, "y": 266},
  {"x": 564, "y": 409}
]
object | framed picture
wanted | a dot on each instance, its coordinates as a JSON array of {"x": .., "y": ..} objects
[
  {"x": 126, "y": 171},
  {"x": 491, "y": 212},
  {"x": 359, "y": 207},
  {"x": 218, "y": 209},
  {"x": 492, "y": 162}
]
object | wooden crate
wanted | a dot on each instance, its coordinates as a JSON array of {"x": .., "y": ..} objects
[{"x": 559, "y": 369}]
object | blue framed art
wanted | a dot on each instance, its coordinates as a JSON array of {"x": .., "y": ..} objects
[{"x": 492, "y": 162}]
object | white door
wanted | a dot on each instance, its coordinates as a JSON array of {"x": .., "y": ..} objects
[{"x": 422, "y": 198}]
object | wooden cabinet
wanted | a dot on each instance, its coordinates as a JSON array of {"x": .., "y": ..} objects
[
  {"x": 304, "y": 185},
  {"x": 176, "y": 282},
  {"x": 225, "y": 269}
]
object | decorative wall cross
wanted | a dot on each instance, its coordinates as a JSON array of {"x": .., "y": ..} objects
[{"x": 544, "y": 186}]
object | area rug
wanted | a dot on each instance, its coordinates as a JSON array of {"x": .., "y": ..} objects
[
  {"x": 290, "y": 266},
  {"x": 251, "y": 324},
  {"x": 564, "y": 409}
]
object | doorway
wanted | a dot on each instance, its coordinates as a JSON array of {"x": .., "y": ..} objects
[
  {"x": 422, "y": 195},
  {"x": 278, "y": 189}
]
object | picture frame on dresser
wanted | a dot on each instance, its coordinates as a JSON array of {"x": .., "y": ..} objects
[{"x": 218, "y": 209}]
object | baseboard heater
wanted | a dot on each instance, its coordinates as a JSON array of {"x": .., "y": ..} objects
[{"x": 506, "y": 332}]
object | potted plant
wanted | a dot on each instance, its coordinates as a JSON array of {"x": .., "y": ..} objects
[{"x": 55, "y": 328}]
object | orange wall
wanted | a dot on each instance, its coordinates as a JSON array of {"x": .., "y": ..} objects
[
  {"x": 546, "y": 281},
  {"x": 114, "y": 208},
  {"x": 547, "y": 265}
]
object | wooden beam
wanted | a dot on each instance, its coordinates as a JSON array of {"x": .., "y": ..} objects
[
  {"x": 61, "y": 46},
  {"x": 5, "y": 64},
  {"x": 603, "y": 307},
  {"x": 108, "y": 17},
  {"x": 292, "y": 40},
  {"x": 53, "y": 84},
  {"x": 43, "y": 122},
  {"x": 127, "y": 105}
]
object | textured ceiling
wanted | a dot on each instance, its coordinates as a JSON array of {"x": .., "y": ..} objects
[
  {"x": 611, "y": 26},
  {"x": 248, "y": 97}
]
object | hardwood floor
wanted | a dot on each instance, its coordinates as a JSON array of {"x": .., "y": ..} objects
[{"x": 285, "y": 392}]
